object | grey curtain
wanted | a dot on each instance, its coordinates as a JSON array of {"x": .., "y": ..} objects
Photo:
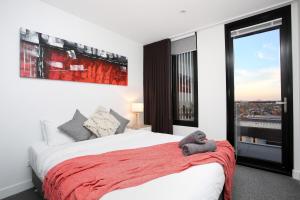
[{"x": 158, "y": 86}]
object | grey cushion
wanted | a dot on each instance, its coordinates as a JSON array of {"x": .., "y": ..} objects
[
  {"x": 75, "y": 129},
  {"x": 123, "y": 121},
  {"x": 93, "y": 136}
]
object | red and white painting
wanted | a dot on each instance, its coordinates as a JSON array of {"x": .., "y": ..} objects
[{"x": 46, "y": 57}]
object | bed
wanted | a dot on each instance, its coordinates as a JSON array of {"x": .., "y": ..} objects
[{"x": 202, "y": 182}]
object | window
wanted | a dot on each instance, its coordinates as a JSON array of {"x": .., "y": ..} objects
[
  {"x": 259, "y": 90},
  {"x": 185, "y": 90}
]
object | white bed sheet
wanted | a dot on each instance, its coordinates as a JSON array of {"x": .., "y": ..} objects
[{"x": 202, "y": 182}]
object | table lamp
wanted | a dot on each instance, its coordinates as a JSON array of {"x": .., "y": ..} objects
[{"x": 137, "y": 108}]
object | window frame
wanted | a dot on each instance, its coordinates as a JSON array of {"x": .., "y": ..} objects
[
  {"x": 193, "y": 123},
  {"x": 286, "y": 68}
]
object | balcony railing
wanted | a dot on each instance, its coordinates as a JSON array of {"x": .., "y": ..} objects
[
  {"x": 271, "y": 136},
  {"x": 258, "y": 129}
]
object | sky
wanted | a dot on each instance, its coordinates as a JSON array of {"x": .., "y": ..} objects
[{"x": 257, "y": 67}]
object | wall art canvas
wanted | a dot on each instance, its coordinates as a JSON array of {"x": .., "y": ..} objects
[{"x": 46, "y": 57}]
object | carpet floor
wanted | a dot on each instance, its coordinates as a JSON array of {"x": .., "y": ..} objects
[{"x": 249, "y": 184}]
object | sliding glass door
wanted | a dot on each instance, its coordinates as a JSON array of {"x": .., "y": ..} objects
[
  {"x": 260, "y": 90},
  {"x": 257, "y": 96}
]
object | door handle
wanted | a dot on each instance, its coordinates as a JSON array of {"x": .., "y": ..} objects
[{"x": 284, "y": 103}]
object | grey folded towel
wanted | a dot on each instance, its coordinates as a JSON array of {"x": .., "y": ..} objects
[
  {"x": 189, "y": 149},
  {"x": 197, "y": 137}
]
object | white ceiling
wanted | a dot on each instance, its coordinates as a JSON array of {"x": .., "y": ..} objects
[{"x": 147, "y": 21}]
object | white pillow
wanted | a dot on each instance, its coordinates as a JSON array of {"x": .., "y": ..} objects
[
  {"x": 102, "y": 123},
  {"x": 52, "y": 135},
  {"x": 101, "y": 109},
  {"x": 43, "y": 131}
]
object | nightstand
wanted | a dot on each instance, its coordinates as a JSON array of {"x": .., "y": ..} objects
[{"x": 143, "y": 127}]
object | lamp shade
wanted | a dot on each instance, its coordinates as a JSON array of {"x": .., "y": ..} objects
[{"x": 137, "y": 107}]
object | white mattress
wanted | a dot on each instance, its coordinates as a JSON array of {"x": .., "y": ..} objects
[{"x": 202, "y": 182}]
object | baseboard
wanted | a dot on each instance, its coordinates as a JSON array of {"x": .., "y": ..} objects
[
  {"x": 296, "y": 174},
  {"x": 16, "y": 188}
]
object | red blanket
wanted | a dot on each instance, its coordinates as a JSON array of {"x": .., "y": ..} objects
[{"x": 90, "y": 177}]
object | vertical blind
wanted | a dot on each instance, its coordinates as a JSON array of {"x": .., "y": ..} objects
[
  {"x": 184, "y": 45},
  {"x": 256, "y": 27},
  {"x": 184, "y": 65}
]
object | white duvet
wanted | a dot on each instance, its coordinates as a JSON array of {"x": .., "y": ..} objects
[{"x": 202, "y": 182}]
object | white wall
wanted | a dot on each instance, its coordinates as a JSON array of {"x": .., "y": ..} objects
[
  {"x": 296, "y": 85},
  {"x": 23, "y": 102},
  {"x": 212, "y": 84}
]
